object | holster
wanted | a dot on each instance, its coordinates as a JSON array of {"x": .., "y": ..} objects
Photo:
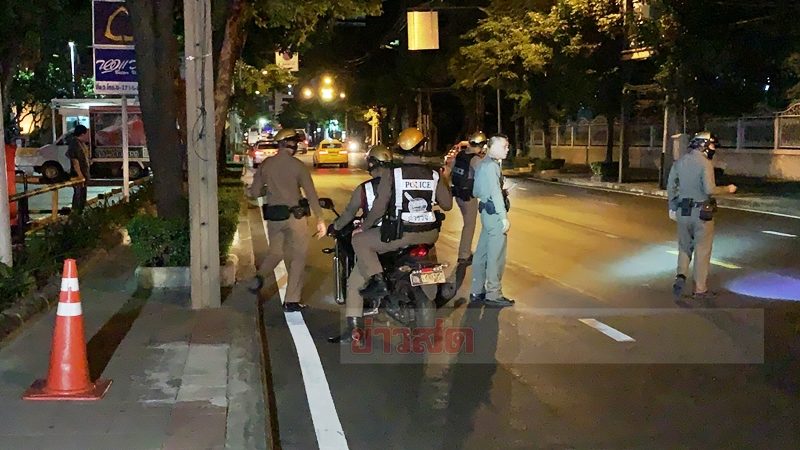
[
  {"x": 686, "y": 206},
  {"x": 708, "y": 209},
  {"x": 303, "y": 209},
  {"x": 391, "y": 229},
  {"x": 487, "y": 206}
]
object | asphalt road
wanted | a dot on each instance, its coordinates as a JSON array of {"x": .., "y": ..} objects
[{"x": 595, "y": 354}]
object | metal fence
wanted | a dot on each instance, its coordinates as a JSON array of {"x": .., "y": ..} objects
[{"x": 778, "y": 131}]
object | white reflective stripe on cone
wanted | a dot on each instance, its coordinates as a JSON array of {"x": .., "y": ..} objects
[
  {"x": 69, "y": 284},
  {"x": 69, "y": 309}
]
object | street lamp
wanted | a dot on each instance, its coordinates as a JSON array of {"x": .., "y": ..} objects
[
  {"x": 72, "y": 61},
  {"x": 307, "y": 93},
  {"x": 342, "y": 95},
  {"x": 326, "y": 94},
  {"x": 327, "y": 80}
]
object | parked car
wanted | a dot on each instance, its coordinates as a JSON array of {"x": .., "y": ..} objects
[
  {"x": 261, "y": 151},
  {"x": 50, "y": 160},
  {"x": 330, "y": 151}
]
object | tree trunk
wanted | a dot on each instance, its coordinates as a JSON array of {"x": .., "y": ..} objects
[
  {"x": 157, "y": 62},
  {"x": 232, "y": 44},
  {"x": 548, "y": 143},
  {"x": 610, "y": 138}
]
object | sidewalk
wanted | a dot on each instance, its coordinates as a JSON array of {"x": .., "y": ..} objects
[
  {"x": 182, "y": 379},
  {"x": 753, "y": 195}
]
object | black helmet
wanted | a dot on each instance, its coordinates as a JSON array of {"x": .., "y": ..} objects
[
  {"x": 378, "y": 155},
  {"x": 705, "y": 142}
]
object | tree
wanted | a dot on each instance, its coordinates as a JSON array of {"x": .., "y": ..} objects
[{"x": 153, "y": 24}]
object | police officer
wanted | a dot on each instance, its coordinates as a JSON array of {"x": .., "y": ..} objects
[
  {"x": 690, "y": 188},
  {"x": 405, "y": 205},
  {"x": 379, "y": 158},
  {"x": 282, "y": 176},
  {"x": 462, "y": 171},
  {"x": 490, "y": 256}
]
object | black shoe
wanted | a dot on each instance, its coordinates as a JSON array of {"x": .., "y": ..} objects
[
  {"x": 477, "y": 298},
  {"x": 500, "y": 301},
  {"x": 394, "y": 311},
  {"x": 256, "y": 284},
  {"x": 293, "y": 306},
  {"x": 465, "y": 261},
  {"x": 353, "y": 332},
  {"x": 375, "y": 288},
  {"x": 677, "y": 287}
]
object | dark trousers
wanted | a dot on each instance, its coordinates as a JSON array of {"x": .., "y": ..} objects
[{"x": 79, "y": 198}]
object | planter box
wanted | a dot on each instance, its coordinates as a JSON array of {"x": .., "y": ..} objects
[{"x": 179, "y": 277}]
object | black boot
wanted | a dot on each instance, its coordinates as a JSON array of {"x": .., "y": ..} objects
[
  {"x": 375, "y": 288},
  {"x": 353, "y": 332}
]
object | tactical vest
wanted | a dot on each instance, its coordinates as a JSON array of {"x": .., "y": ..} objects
[
  {"x": 415, "y": 194},
  {"x": 462, "y": 181}
]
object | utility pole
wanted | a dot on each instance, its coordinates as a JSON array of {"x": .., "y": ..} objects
[
  {"x": 5, "y": 208},
  {"x": 499, "y": 119},
  {"x": 202, "y": 155}
]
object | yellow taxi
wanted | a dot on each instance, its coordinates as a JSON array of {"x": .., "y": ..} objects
[{"x": 330, "y": 151}]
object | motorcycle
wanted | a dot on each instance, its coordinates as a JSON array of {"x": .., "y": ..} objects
[{"x": 416, "y": 280}]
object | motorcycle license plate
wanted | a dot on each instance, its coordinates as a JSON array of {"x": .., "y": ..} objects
[{"x": 428, "y": 275}]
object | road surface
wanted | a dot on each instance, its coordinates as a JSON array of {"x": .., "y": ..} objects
[{"x": 595, "y": 354}]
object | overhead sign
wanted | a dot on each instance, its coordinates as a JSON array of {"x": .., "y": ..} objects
[
  {"x": 114, "y": 53},
  {"x": 423, "y": 30},
  {"x": 287, "y": 60}
]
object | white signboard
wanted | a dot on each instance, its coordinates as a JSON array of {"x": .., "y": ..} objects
[{"x": 288, "y": 61}]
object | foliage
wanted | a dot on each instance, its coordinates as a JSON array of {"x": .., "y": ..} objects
[
  {"x": 607, "y": 170},
  {"x": 45, "y": 251},
  {"x": 166, "y": 242}
]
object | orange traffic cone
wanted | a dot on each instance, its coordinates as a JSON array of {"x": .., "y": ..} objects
[{"x": 68, "y": 377}]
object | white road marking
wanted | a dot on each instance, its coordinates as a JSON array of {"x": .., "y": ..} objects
[
  {"x": 327, "y": 426},
  {"x": 716, "y": 262},
  {"x": 607, "y": 330},
  {"x": 778, "y": 233},
  {"x": 559, "y": 195},
  {"x": 612, "y": 236}
]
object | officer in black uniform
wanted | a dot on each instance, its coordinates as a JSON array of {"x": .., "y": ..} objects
[
  {"x": 405, "y": 207},
  {"x": 462, "y": 171},
  {"x": 379, "y": 158}
]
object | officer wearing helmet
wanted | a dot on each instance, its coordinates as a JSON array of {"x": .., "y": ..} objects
[
  {"x": 379, "y": 159},
  {"x": 404, "y": 205},
  {"x": 690, "y": 188},
  {"x": 282, "y": 177},
  {"x": 462, "y": 170}
]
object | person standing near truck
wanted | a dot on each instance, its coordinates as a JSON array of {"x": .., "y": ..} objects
[{"x": 78, "y": 154}]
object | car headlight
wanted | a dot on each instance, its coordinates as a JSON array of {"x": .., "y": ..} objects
[{"x": 353, "y": 146}]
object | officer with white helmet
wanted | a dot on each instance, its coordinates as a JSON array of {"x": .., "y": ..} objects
[
  {"x": 405, "y": 207},
  {"x": 282, "y": 177},
  {"x": 690, "y": 189},
  {"x": 379, "y": 158},
  {"x": 462, "y": 170}
]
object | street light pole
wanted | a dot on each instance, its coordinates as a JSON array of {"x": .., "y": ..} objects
[
  {"x": 72, "y": 61},
  {"x": 5, "y": 208},
  {"x": 499, "y": 119}
]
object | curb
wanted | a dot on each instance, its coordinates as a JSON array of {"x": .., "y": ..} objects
[{"x": 723, "y": 201}]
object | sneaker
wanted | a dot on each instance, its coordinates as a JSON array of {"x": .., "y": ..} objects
[
  {"x": 293, "y": 306},
  {"x": 677, "y": 287},
  {"x": 499, "y": 301}
]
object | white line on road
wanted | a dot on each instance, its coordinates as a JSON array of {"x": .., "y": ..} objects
[
  {"x": 608, "y": 331},
  {"x": 716, "y": 262},
  {"x": 612, "y": 236},
  {"x": 778, "y": 233},
  {"x": 327, "y": 425},
  {"x": 559, "y": 195}
]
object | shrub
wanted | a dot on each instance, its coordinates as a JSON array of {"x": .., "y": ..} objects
[
  {"x": 158, "y": 242},
  {"x": 607, "y": 170}
]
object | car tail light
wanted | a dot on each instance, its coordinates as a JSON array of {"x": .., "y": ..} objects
[{"x": 419, "y": 251}]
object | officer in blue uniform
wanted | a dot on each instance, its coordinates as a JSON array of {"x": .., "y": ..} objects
[{"x": 490, "y": 256}]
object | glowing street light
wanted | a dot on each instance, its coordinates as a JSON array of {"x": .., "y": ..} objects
[
  {"x": 258, "y": 92},
  {"x": 342, "y": 96},
  {"x": 326, "y": 94},
  {"x": 264, "y": 72},
  {"x": 327, "y": 80},
  {"x": 308, "y": 93}
]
